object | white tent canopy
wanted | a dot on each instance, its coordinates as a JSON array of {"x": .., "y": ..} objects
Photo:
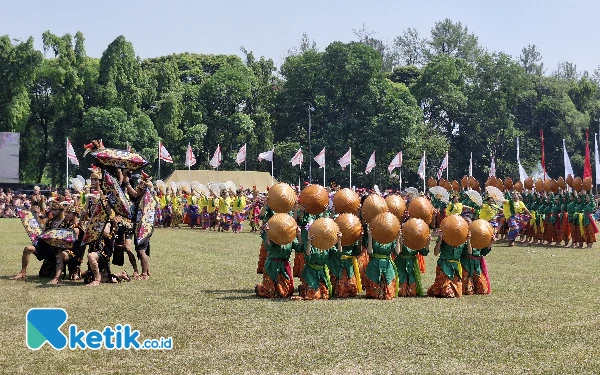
[{"x": 243, "y": 179}]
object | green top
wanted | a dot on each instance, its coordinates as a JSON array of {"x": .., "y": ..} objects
[
  {"x": 304, "y": 221},
  {"x": 571, "y": 209},
  {"x": 449, "y": 258},
  {"x": 315, "y": 267},
  {"x": 405, "y": 263},
  {"x": 473, "y": 266},
  {"x": 584, "y": 208},
  {"x": 380, "y": 262},
  {"x": 276, "y": 256},
  {"x": 337, "y": 264}
]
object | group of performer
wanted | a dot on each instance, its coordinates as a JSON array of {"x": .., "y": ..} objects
[{"x": 111, "y": 217}]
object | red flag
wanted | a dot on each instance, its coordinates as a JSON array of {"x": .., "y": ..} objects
[
  {"x": 543, "y": 156},
  {"x": 587, "y": 165}
]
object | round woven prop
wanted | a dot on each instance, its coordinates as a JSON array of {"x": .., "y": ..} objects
[
  {"x": 528, "y": 183},
  {"x": 464, "y": 182},
  {"x": 499, "y": 184},
  {"x": 350, "y": 227},
  {"x": 415, "y": 234},
  {"x": 518, "y": 186},
  {"x": 431, "y": 182},
  {"x": 442, "y": 183},
  {"x": 491, "y": 181},
  {"x": 554, "y": 186},
  {"x": 455, "y": 230},
  {"x": 448, "y": 185},
  {"x": 577, "y": 183},
  {"x": 481, "y": 234},
  {"x": 471, "y": 182},
  {"x": 396, "y": 205},
  {"x": 561, "y": 183},
  {"x": 325, "y": 232},
  {"x": 281, "y": 198},
  {"x": 385, "y": 227},
  {"x": 569, "y": 180},
  {"x": 455, "y": 185},
  {"x": 421, "y": 208},
  {"x": 476, "y": 186},
  {"x": 373, "y": 206},
  {"x": 346, "y": 200},
  {"x": 587, "y": 184},
  {"x": 547, "y": 185},
  {"x": 508, "y": 183},
  {"x": 282, "y": 229},
  {"x": 314, "y": 198},
  {"x": 539, "y": 185}
]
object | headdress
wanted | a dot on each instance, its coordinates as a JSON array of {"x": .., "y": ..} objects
[{"x": 96, "y": 173}]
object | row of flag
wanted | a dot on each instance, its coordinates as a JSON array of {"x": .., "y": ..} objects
[{"x": 344, "y": 161}]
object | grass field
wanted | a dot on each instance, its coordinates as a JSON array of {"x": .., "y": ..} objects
[{"x": 542, "y": 317}]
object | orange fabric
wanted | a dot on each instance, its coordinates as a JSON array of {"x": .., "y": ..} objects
[
  {"x": 549, "y": 233},
  {"x": 312, "y": 294},
  {"x": 298, "y": 264},
  {"x": 344, "y": 287},
  {"x": 262, "y": 257},
  {"x": 270, "y": 289},
  {"x": 407, "y": 290},
  {"x": 379, "y": 290},
  {"x": 589, "y": 235},
  {"x": 444, "y": 287},
  {"x": 565, "y": 228},
  {"x": 476, "y": 284},
  {"x": 575, "y": 233},
  {"x": 363, "y": 261},
  {"x": 421, "y": 262}
]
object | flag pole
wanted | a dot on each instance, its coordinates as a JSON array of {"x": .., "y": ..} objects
[
  {"x": 300, "y": 174},
  {"x": 350, "y": 167},
  {"x": 67, "y": 153},
  {"x": 158, "y": 160},
  {"x": 245, "y": 172},
  {"x": 323, "y": 175},
  {"x": 447, "y": 166},
  {"x": 425, "y": 173},
  {"x": 272, "y": 157},
  {"x": 400, "y": 180}
]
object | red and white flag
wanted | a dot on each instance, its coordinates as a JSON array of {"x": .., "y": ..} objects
[
  {"x": 442, "y": 167},
  {"x": 320, "y": 159},
  {"x": 267, "y": 155},
  {"x": 298, "y": 158},
  {"x": 71, "y": 153},
  {"x": 346, "y": 159},
  {"x": 421, "y": 171},
  {"x": 190, "y": 159},
  {"x": 371, "y": 163},
  {"x": 216, "y": 159},
  {"x": 241, "y": 155},
  {"x": 396, "y": 162},
  {"x": 163, "y": 154}
]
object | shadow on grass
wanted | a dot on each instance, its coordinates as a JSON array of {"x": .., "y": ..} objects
[{"x": 227, "y": 294}]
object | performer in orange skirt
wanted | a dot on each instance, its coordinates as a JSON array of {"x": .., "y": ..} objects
[
  {"x": 381, "y": 281},
  {"x": 448, "y": 273},
  {"x": 278, "y": 281},
  {"x": 476, "y": 279},
  {"x": 344, "y": 271}
]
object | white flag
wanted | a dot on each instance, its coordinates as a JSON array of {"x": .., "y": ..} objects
[
  {"x": 298, "y": 158},
  {"x": 371, "y": 163},
  {"x": 522, "y": 173},
  {"x": 493, "y": 167},
  {"x": 267, "y": 155},
  {"x": 320, "y": 159},
  {"x": 443, "y": 166},
  {"x": 190, "y": 159},
  {"x": 568, "y": 167},
  {"x": 216, "y": 159},
  {"x": 346, "y": 159},
  {"x": 396, "y": 162},
  {"x": 71, "y": 153},
  {"x": 241, "y": 155},
  {"x": 471, "y": 165},
  {"x": 421, "y": 171},
  {"x": 163, "y": 153},
  {"x": 596, "y": 160}
]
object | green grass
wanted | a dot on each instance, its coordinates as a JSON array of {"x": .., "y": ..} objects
[{"x": 542, "y": 317}]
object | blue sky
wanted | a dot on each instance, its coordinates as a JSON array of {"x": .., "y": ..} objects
[{"x": 562, "y": 31}]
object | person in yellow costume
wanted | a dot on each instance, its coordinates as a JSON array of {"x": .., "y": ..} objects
[
  {"x": 489, "y": 212},
  {"x": 516, "y": 215},
  {"x": 212, "y": 204},
  {"x": 238, "y": 208},
  {"x": 225, "y": 212},
  {"x": 455, "y": 207}
]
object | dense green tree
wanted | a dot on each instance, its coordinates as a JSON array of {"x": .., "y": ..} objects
[{"x": 452, "y": 39}]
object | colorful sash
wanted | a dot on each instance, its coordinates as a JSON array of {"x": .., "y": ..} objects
[{"x": 356, "y": 271}]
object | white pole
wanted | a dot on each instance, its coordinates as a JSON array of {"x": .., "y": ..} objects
[
  {"x": 323, "y": 175},
  {"x": 67, "y": 175},
  {"x": 350, "y": 167},
  {"x": 400, "y": 178},
  {"x": 272, "y": 157},
  {"x": 447, "y": 167},
  {"x": 300, "y": 174},
  {"x": 424, "y": 171},
  {"x": 245, "y": 173},
  {"x": 158, "y": 160}
]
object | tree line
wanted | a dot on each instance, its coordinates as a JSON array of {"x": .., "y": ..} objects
[{"x": 439, "y": 93}]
